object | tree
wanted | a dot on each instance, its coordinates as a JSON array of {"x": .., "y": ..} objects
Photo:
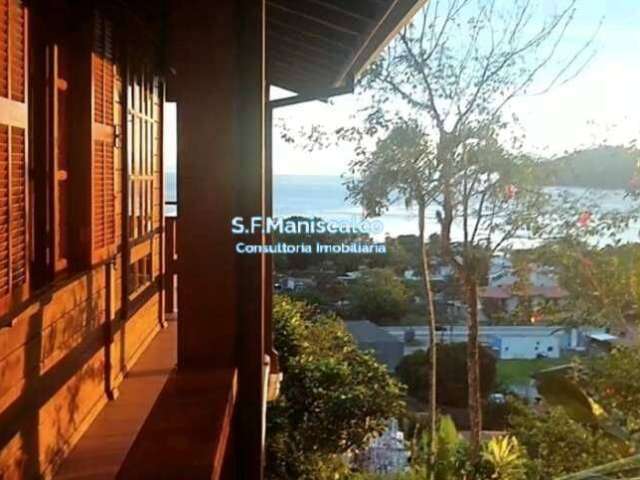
[
  {"x": 378, "y": 295},
  {"x": 401, "y": 255},
  {"x": 482, "y": 197},
  {"x": 402, "y": 167},
  {"x": 452, "y": 75},
  {"x": 452, "y": 386},
  {"x": 334, "y": 398},
  {"x": 603, "y": 283},
  {"x": 460, "y": 66}
]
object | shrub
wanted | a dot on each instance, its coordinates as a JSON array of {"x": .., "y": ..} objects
[
  {"x": 379, "y": 296},
  {"x": 334, "y": 398},
  {"x": 557, "y": 444},
  {"x": 452, "y": 388}
]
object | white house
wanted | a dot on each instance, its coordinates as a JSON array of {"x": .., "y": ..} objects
[
  {"x": 508, "y": 342},
  {"x": 529, "y": 347}
]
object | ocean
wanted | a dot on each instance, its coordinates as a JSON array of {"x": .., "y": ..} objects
[{"x": 326, "y": 197}]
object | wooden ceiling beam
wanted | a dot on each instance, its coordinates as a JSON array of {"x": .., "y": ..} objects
[
  {"x": 309, "y": 38},
  {"x": 324, "y": 15},
  {"x": 303, "y": 68},
  {"x": 303, "y": 45},
  {"x": 297, "y": 83},
  {"x": 308, "y": 27},
  {"x": 280, "y": 50},
  {"x": 363, "y": 9},
  {"x": 304, "y": 49},
  {"x": 316, "y": 44}
]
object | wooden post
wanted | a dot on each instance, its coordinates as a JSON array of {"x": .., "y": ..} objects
[
  {"x": 217, "y": 52},
  {"x": 252, "y": 197},
  {"x": 267, "y": 285},
  {"x": 170, "y": 258}
]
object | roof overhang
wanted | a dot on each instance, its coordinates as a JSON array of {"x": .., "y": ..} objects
[{"x": 322, "y": 45}]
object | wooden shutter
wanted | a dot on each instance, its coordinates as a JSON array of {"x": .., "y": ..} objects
[
  {"x": 14, "y": 274},
  {"x": 105, "y": 156}
]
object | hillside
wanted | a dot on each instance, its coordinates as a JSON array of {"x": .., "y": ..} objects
[{"x": 604, "y": 167}]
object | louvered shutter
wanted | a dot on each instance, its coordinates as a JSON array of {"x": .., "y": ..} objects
[
  {"x": 105, "y": 151},
  {"x": 14, "y": 274}
]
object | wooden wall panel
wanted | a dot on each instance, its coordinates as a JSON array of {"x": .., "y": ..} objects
[
  {"x": 138, "y": 329},
  {"x": 69, "y": 323},
  {"x": 69, "y": 412},
  {"x": 58, "y": 347}
]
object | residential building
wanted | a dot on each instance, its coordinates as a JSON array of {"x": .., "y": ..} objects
[
  {"x": 387, "y": 349},
  {"x": 90, "y": 385},
  {"x": 507, "y": 342},
  {"x": 506, "y": 289}
]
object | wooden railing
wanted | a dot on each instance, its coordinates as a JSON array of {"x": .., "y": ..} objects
[{"x": 170, "y": 262}]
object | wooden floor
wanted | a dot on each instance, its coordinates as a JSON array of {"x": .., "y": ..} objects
[{"x": 103, "y": 448}]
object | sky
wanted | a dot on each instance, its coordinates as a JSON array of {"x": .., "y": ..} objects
[{"x": 601, "y": 104}]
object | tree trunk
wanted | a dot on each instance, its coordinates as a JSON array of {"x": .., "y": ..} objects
[
  {"x": 431, "y": 324},
  {"x": 473, "y": 368}
]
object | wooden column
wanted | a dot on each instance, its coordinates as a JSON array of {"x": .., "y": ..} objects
[
  {"x": 251, "y": 198},
  {"x": 216, "y": 50},
  {"x": 268, "y": 267}
]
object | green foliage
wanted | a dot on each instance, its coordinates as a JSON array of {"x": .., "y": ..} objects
[
  {"x": 559, "y": 445},
  {"x": 504, "y": 458},
  {"x": 614, "y": 382},
  {"x": 403, "y": 253},
  {"x": 334, "y": 398},
  {"x": 312, "y": 297},
  {"x": 559, "y": 390},
  {"x": 604, "y": 284},
  {"x": 379, "y": 296},
  {"x": 449, "y": 450},
  {"x": 592, "y": 412},
  {"x": 452, "y": 387},
  {"x": 401, "y": 167},
  {"x": 628, "y": 468}
]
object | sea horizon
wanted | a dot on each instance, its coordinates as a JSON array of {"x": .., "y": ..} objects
[{"x": 326, "y": 196}]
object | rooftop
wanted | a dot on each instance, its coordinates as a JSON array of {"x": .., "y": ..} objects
[{"x": 365, "y": 331}]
